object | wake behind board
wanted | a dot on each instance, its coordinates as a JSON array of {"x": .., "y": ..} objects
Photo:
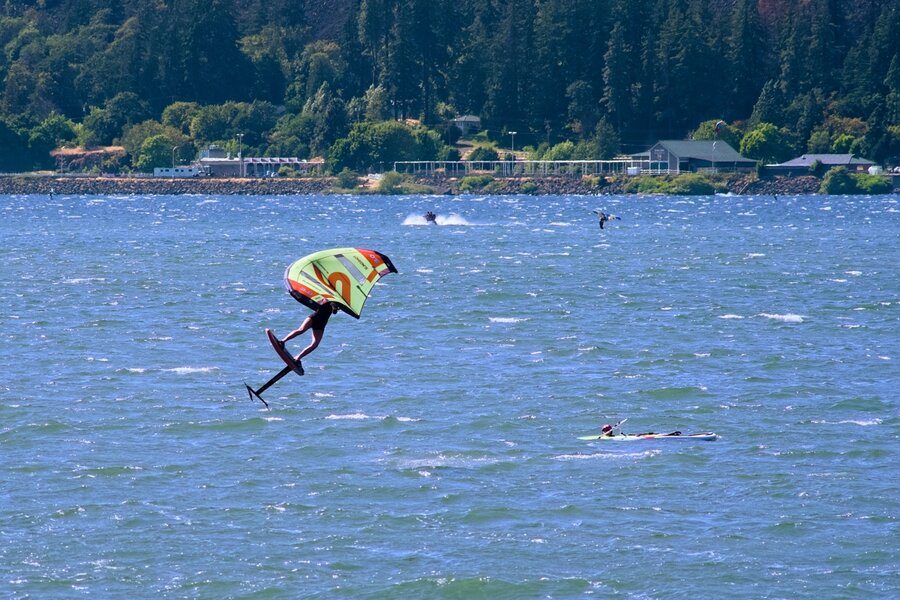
[
  {"x": 702, "y": 437},
  {"x": 283, "y": 354}
]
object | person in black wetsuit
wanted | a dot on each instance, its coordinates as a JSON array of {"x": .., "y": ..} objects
[
  {"x": 430, "y": 217},
  {"x": 604, "y": 217},
  {"x": 317, "y": 322}
]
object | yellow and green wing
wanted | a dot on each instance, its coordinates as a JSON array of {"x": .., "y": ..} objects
[{"x": 344, "y": 276}]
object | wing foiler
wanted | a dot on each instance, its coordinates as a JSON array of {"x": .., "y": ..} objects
[{"x": 344, "y": 276}]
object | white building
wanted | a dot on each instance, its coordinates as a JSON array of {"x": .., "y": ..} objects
[{"x": 178, "y": 172}]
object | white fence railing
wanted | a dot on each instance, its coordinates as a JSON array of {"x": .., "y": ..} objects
[{"x": 532, "y": 168}]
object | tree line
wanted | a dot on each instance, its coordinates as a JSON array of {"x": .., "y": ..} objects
[{"x": 591, "y": 78}]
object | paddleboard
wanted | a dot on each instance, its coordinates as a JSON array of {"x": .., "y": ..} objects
[
  {"x": 622, "y": 437},
  {"x": 284, "y": 354}
]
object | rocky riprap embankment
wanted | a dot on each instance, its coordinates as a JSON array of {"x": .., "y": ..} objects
[
  {"x": 159, "y": 186},
  {"x": 555, "y": 186},
  {"x": 561, "y": 186}
]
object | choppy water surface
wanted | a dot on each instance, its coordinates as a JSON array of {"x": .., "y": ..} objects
[{"x": 431, "y": 451}]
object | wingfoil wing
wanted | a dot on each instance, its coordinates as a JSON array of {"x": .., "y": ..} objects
[{"x": 341, "y": 275}]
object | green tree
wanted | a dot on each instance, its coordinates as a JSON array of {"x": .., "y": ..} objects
[
  {"x": 377, "y": 104},
  {"x": 819, "y": 142},
  {"x": 838, "y": 181},
  {"x": 619, "y": 68},
  {"x": 270, "y": 51},
  {"x": 378, "y": 145},
  {"x": 879, "y": 142},
  {"x": 843, "y": 143},
  {"x": 223, "y": 122},
  {"x": 291, "y": 136},
  {"x": 329, "y": 117},
  {"x": 685, "y": 64},
  {"x": 98, "y": 128},
  {"x": 606, "y": 140},
  {"x": 892, "y": 84},
  {"x": 14, "y": 151},
  {"x": 716, "y": 129},
  {"x": 561, "y": 151},
  {"x": 747, "y": 57},
  {"x": 468, "y": 73},
  {"x": 768, "y": 107},
  {"x": 766, "y": 143},
  {"x": 213, "y": 68},
  {"x": 156, "y": 151},
  {"x": 509, "y": 77},
  {"x": 54, "y": 131},
  {"x": 134, "y": 136},
  {"x": 583, "y": 107},
  {"x": 484, "y": 153},
  {"x": 872, "y": 184},
  {"x": 321, "y": 62},
  {"x": 373, "y": 26},
  {"x": 179, "y": 115}
]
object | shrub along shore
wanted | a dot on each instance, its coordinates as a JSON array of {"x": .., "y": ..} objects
[{"x": 687, "y": 184}]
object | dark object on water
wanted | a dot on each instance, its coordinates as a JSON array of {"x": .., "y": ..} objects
[{"x": 604, "y": 217}]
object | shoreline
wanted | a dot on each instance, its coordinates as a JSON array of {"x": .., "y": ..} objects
[{"x": 45, "y": 184}]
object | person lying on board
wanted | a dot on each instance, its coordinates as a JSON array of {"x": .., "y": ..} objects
[
  {"x": 609, "y": 431},
  {"x": 317, "y": 322}
]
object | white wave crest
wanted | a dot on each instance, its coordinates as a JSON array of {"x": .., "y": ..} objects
[
  {"x": 788, "y": 318},
  {"x": 189, "y": 370},
  {"x": 608, "y": 455},
  {"x": 350, "y": 417},
  {"x": 508, "y": 319}
]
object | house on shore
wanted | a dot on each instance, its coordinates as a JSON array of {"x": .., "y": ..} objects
[
  {"x": 214, "y": 162},
  {"x": 677, "y": 156},
  {"x": 467, "y": 124},
  {"x": 802, "y": 164}
]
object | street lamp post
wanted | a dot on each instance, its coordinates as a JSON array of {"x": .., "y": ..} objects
[
  {"x": 173, "y": 156},
  {"x": 240, "y": 137},
  {"x": 513, "y": 154}
]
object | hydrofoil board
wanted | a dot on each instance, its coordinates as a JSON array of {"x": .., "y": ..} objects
[{"x": 283, "y": 354}]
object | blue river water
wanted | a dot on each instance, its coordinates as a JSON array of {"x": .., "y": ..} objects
[{"x": 431, "y": 449}]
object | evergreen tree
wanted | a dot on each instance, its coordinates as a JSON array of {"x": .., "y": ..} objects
[
  {"x": 617, "y": 76},
  {"x": 509, "y": 82},
  {"x": 401, "y": 73},
  {"x": 212, "y": 66},
  {"x": 892, "y": 85},
  {"x": 468, "y": 69},
  {"x": 825, "y": 47},
  {"x": 747, "y": 58},
  {"x": 582, "y": 108},
  {"x": 686, "y": 75},
  {"x": 768, "y": 106},
  {"x": 373, "y": 28}
]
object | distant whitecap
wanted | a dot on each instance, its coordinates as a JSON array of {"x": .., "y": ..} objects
[
  {"x": 788, "y": 318},
  {"x": 507, "y": 319}
]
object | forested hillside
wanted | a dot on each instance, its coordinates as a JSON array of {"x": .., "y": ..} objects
[{"x": 320, "y": 78}]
